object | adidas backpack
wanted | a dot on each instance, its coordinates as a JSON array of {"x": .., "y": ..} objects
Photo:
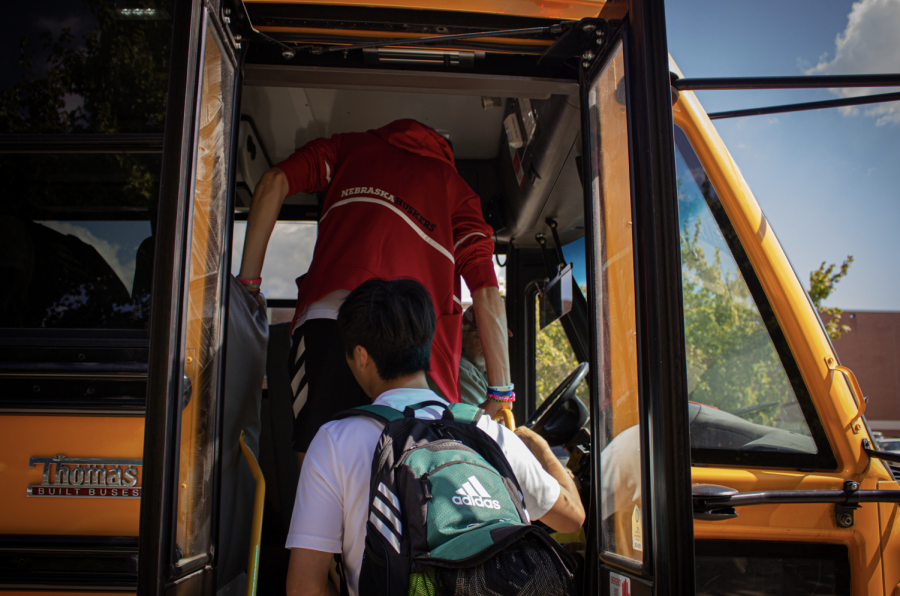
[{"x": 447, "y": 516}]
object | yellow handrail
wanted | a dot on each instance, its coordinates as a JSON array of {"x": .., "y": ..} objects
[
  {"x": 256, "y": 528},
  {"x": 506, "y": 417},
  {"x": 854, "y": 384}
]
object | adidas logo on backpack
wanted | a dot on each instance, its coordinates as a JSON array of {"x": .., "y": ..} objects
[
  {"x": 447, "y": 516},
  {"x": 473, "y": 494}
]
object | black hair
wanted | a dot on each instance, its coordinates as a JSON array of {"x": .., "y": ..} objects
[{"x": 394, "y": 321}]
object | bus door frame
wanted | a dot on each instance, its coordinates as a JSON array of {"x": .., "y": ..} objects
[
  {"x": 668, "y": 550},
  {"x": 158, "y": 574}
]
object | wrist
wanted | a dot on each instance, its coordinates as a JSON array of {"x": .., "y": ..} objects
[
  {"x": 501, "y": 393},
  {"x": 251, "y": 285}
]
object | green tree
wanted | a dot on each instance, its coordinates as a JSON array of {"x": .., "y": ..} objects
[
  {"x": 821, "y": 285},
  {"x": 554, "y": 360},
  {"x": 731, "y": 361},
  {"x": 112, "y": 80}
]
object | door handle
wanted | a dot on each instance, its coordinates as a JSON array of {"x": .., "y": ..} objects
[
  {"x": 256, "y": 527},
  {"x": 833, "y": 366}
]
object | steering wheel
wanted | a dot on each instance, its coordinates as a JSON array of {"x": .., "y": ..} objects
[{"x": 557, "y": 402}]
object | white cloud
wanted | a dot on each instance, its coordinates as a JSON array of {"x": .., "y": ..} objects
[
  {"x": 288, "y": 256},
  {"x": 108, "y": 250},
  {"x": 869, "y": 45}
]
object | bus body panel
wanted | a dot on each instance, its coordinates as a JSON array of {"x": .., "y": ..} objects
[{"x": 99, "y": 437}]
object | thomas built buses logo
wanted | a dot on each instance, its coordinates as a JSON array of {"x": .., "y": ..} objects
[{"x": 87, "y": 477}]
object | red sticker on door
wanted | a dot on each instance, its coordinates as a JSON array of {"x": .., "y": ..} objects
[{"x": 619, "y": 585}]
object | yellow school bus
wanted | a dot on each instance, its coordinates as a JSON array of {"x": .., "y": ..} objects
[{"x": 145, "y": 411}]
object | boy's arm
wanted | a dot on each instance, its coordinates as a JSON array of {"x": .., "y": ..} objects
[
  {"x": 567, "y": 514},
  {"x": 309, "y": 169},
  {"x": 316, "y": 531},
  {"x": 490, "y": 312},
  {"x": 308, "y": 573},
  {"x": 267, "y": 200}
]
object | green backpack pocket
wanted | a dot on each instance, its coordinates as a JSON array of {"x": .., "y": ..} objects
[{"x": 466, "y": 498}]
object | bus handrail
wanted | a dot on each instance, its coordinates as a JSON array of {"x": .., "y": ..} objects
[{"x": 256, "y": 527}]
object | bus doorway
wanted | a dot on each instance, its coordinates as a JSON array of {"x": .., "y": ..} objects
[{"x": 116, "y": 358}]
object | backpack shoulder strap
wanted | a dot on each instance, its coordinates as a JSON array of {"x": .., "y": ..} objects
[
  {"x": 466, "y": 413},
  {"x": 380, "y": 413}
]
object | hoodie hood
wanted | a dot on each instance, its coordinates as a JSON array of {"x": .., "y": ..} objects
[{"x": 413, "y": 136}]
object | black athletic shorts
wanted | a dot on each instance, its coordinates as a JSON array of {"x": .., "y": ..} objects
[{"x": 321, "y": 380}]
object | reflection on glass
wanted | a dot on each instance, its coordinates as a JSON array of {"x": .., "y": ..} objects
[
  {"x": 76, "y": 231},
  {"x": 288, "y": 256},
  {"x": 78, "y": 240},
  {"x": 736, "y": 381},
  {"x": 621, "y": 530},
  {"x": 86, "y": 67},
  {"x": 203, "y": 319}
]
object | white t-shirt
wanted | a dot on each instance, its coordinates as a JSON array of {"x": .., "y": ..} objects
[
  {"x": 333, "y": 493},
  {"x": 325, "y": 308}
]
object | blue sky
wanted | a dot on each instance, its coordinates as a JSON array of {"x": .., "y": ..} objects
[{"x": 828, "y": 181}]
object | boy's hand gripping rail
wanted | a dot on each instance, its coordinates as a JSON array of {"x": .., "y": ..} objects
[{"x": 506, "y": 418}]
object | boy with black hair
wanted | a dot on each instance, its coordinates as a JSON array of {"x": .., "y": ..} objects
[{"x": 386, "y": 328}]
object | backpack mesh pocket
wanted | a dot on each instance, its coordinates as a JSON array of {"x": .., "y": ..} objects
[{"x": 525, "y": 568}]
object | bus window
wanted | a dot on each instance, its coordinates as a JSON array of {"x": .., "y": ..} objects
[
  {"x": 288, "y": 256},
  {"x": 554, "y": 360},
  {"x": 749, "y": 404},
  {"x": 555, "y": 357},
  {"x": 81, "y": 174},
  {"x": 78, "y": 241}
]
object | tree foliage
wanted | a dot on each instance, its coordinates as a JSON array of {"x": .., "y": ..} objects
[
  {"x": 821, "y": 285},
  {"x": 112, "y": 80},
  {"x": 554, "y": 360},
  {"x": 731, "y": 360}
]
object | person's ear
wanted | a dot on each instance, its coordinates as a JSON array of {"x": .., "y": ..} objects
[{"x": 360, "y": 358}]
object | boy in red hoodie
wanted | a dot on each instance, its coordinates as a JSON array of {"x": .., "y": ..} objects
[{"x": 394, "y": 207}]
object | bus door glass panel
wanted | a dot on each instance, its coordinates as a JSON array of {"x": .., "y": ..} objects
[
  {"x": 203, "y": 322},
  {"x": 621, "y": 527},
  {"x": 748, "y": 403}
]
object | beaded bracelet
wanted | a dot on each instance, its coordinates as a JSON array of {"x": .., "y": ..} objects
[
  {"x": 251, "y": 285},
  {"x": 501, "y": 393}
]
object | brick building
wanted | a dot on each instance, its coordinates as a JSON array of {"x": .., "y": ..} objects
[{"x": 872, "y": 351}]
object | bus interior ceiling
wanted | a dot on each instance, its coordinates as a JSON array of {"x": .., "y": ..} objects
[{"x": 287, "y": 117}]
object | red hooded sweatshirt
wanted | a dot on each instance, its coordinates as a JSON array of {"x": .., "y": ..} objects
[{"x": 395, "y": 206}]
